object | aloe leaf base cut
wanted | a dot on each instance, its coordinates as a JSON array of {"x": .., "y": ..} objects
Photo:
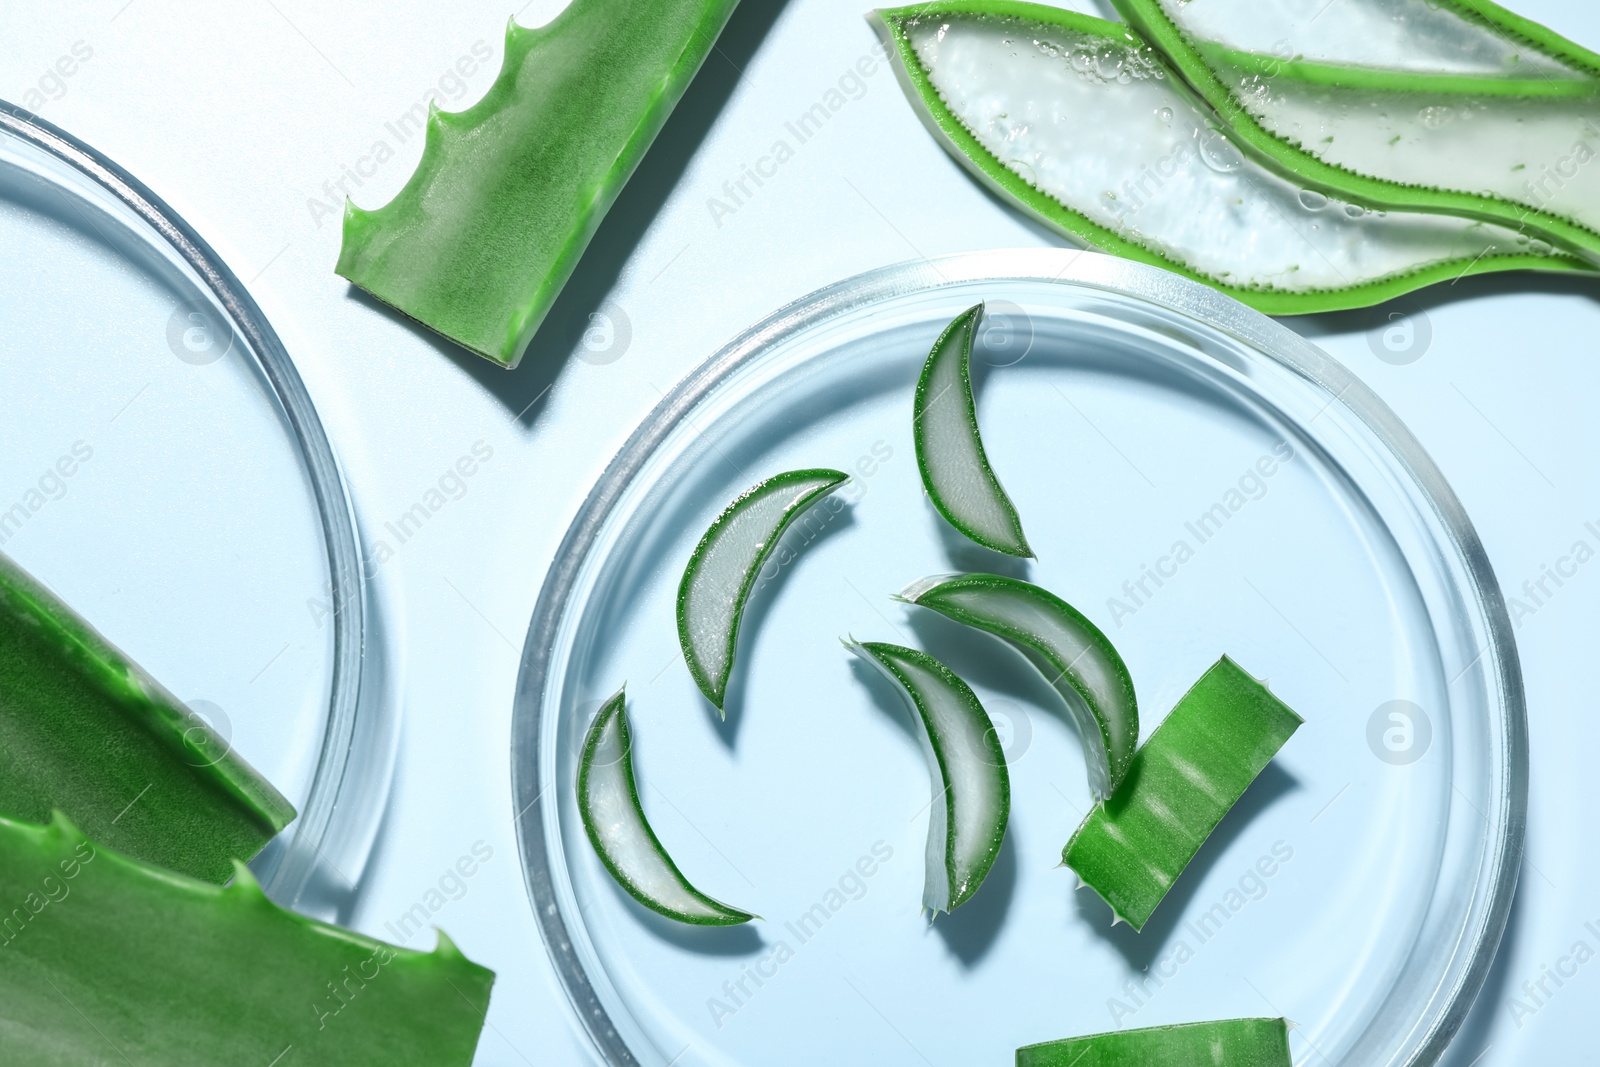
[{"x": 1193, "y": 770}]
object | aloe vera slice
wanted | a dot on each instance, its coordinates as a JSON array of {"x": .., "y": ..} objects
[
  {"x": 955, "y": 469},
  {"x": 1193, "y": 770},
  {"x": 83, "y": 729},
  {"x": 1504, "y": 133},
  {"x": 1229, "y": 1043},
  {"x": 112, "y": 961},
  {"x": 1072, "y": 653},
  {"x": 717, "y": 582},
  {"x": 608, "y": 798},
  {"x": 1082, "y": 125},
  {"x": 508, "y": 193},
  {"x": 971, "y": 787}
]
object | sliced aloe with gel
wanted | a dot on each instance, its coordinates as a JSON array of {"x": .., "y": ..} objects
[
  {"x": 608, "y": 800},
  {"x": 1084, "y": 126},
  {"x": 1184, "y": 780},
  {"x": 1460, "y": 108},
  {"x": 723, "y": 569},
  {"x": 950, "y": 455},
  {"x": 1072, "y": 653},
  {"x": 971, "y": 787},
  {"x": 1227, "y": 1043}
]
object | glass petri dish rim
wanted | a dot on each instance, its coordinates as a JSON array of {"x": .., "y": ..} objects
[
  {"x": 1506, "y": 822},
  {"x": 285, "y": 875}
]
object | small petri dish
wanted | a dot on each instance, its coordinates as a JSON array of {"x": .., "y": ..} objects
[
  {"x": 1199, "y": 481},
  {"x": 163, "y": 470}
]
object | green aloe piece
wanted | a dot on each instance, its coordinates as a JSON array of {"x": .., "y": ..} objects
[
  {"x": 112, "y": 961},
  {"x": 971, "y": 786},
  {"x": 1081, "y": 124},
  {"x": 725, "y": 564},
  {"x": 1502, "y": 126},
  {"x": 508, "y": 193},
  {"x": 1192, "y": 771},
  {"x": 608, "y": 800},
  {"x": 1230, "y": 1043},
  {"x": 950, "y": 455},
  {"x": 84, "y": 730},
  {"x": 1072, "y": 653}
]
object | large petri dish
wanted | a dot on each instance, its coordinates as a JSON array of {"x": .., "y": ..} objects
[
  {"x": 163, "y": 470},
  {"x": 1199, "y": 481}
]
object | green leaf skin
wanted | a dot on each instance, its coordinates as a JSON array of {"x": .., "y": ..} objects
[
  {"x": 84, "y": 730},
  {"x": 950, "y": 455},
  {"x": 967, "y": 767},
  {"x": 1236, "y": 86},
  {"x": 723, "y": 568},
  {"x": 107, "y": 960},
  {"x": 1072, "y": 653},
  {"x": 1157, "y": 195},
  {"x": 1230, "y": 1043},
  {"x": 1192, "y": 771},
  {"x": 608, "y": 801},
  {"x": 509, "y": 192}
]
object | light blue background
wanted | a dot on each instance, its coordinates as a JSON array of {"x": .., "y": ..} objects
[{"x": 238, "y": 120}]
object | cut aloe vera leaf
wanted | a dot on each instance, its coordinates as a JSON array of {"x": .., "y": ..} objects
[
  {"x": 1229, "y": 1043},
  {"x": 717, "y": 582},
  {"x": 1192, "y": 771},
  {"x": 83, "y": 729},
  {"x": 1072, "y": 653},
  {"x": 608, "y": 798},
  {"x": 1082, "y": 125},
  {"x": 508, "y": 193},
  {"x": 1510, "y": 145},
  {"x": 112, "y": 961},
  {"x": 971, "y": 786},
  {"x": 955, "y": 469}
]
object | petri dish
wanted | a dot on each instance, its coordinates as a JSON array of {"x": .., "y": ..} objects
[
  {"x": 1199, "y": 481},
  {"x": 162, "y": 468}
]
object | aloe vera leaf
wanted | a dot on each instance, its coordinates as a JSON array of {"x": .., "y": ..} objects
[
  {"x": 950, "y": 454},
  {"x": 608, "y": 799},
  {"x": 85, "y": 730},
  {"x": 1228, "y": 1043},
  {"x": 971, "y": 786},
  {"x": 722, "y": 570},
  {"x": 479, "y": 242},
  {"x": 1510, "y": 146},
  {"x": 1072, "y": 653},
  {"x": 1193, "y": 770},
  {"x": 109, "y": 960},
  {"x": 1033, "y": 101}
]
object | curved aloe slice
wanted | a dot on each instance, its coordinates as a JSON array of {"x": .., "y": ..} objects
[
  {"x": 972, "y": 789},
  {"x": 508, "y": 193},
  {"x": 955, "y": 469},
  {"x": 717, "y": 582},
  {"x": 1085, "y": 127},
  {"x": 1195, "y": 767},
  {"x": 83, "y": 729},
  {"x": 1502, "y": 132},
  {"x": 1069, "y": 650},
  {"x": 112, "y": 961},
  {"x": 1230, "y": 1043},
  {"x": 608, "y": 799}
]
